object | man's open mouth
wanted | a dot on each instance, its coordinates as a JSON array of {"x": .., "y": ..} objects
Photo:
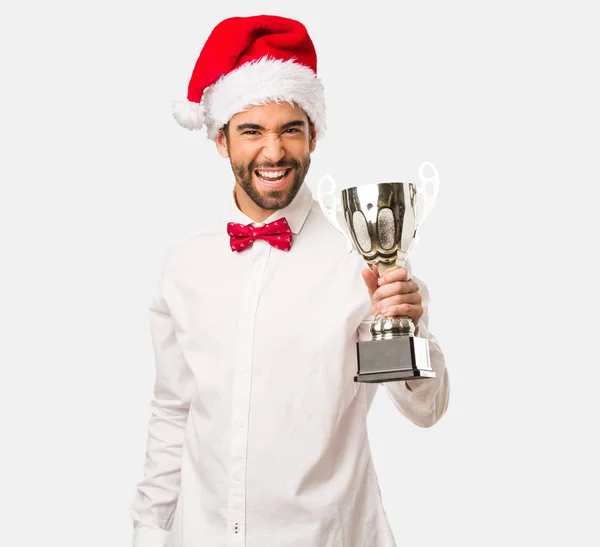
[{"x": 272, "y": 177}]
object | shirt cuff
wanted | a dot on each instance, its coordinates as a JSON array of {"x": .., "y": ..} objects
[{"x": 426, "y": 386}]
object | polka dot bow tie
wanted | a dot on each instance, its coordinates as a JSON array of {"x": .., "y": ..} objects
[{"x": 277, "y": 233}]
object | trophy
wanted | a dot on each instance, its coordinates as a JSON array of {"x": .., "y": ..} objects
[{"x": 382, "y": 222}]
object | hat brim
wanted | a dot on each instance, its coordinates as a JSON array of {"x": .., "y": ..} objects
[{"x": 260, "y": 82}]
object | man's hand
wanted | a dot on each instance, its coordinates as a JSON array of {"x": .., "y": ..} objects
[{"x": 393, "y": 294}]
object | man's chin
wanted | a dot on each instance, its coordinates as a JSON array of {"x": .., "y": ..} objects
[
  {"x": 273, "y": 201},
  {"x": 272, "y": 198}
]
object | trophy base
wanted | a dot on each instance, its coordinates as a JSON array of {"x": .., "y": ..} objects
[{"x": 394, "y": 359}]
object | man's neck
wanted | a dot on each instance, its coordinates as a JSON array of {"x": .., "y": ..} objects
[{"x": 248, "y": 207}]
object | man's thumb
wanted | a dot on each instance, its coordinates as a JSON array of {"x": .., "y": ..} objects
[{"x": 370, "y": 280}]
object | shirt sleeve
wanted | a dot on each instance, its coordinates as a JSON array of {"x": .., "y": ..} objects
[
  {"x": 427, "y": 400},
  {"x": 157, "y": 493}
]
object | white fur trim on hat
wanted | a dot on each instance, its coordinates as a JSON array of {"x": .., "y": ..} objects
[{"x": 259, "y": 82}]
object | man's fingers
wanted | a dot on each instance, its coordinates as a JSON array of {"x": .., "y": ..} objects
[
  {"x": 413, "y": 311},
  {"x": 398, "y": 299},
  {"x": 399, "y": 287},
  {"x": 394, "y": 274}
]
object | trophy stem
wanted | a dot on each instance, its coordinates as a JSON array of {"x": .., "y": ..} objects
[
  {"x": 385, "y": 328},
  {"x": 384, "y": 266}
]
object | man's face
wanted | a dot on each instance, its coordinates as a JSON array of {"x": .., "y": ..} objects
[{"x": 269, "y": 150}]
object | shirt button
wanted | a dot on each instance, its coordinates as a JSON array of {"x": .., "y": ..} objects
[
  {"x": 238, "y": 476},
  {"x": 257, "y": 266},
  {"x": 239, "y": 424}
]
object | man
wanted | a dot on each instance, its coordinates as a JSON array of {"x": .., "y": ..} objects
[{"x": 258, "y": 432}]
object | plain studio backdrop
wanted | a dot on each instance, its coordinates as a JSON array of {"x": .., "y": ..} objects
[{"x": 98, "y": 180}]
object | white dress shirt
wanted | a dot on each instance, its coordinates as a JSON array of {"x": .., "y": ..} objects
[{"x": 258, "y": 432}]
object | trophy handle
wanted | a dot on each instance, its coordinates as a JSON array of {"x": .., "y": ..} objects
[
  {"x": 428, "y": 198},
  {"x": 331, "y": 213}
]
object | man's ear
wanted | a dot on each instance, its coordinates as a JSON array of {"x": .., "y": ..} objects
[
  {"x": 313, "y": 139},
  {"x": 221, "y": 142}
]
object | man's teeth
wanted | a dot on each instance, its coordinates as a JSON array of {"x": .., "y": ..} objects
[{"x": 272, "y": 175}]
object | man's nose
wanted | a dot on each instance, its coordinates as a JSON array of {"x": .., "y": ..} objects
[{"x": 273, "y": 150}]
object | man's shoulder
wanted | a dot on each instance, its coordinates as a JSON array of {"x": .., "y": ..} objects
[
  {"x": 321, "y": 223},
  {"x": 205, "y": 229},
  {"x": 327, "y": 232},
  {"x": 334, "y": 243},
  {"x": 197, "y": 240}
]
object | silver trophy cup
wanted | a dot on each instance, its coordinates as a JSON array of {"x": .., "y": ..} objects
[{"x": 382, "y": 222}]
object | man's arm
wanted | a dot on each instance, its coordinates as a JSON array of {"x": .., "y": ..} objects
[
  {"x": 157, "y": 493},
  {"x": 424, "y": 401}
]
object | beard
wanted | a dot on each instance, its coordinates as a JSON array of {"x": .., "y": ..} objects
[{"x": 274, "y": 199}]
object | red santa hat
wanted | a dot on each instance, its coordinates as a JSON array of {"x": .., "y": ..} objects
[{"x": 250, "y": 61}]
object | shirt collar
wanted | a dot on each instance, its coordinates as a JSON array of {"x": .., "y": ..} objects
[{"x": 295, "y": 213}]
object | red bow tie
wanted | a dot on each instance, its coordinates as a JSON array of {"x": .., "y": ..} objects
[{"x": 277, "y": 233}]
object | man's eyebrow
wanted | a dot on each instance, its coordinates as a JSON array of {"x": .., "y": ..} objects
[
  {"x": 244, "y": 126},
  {"x": 256, "y": 127},
  {"x": 295, "y": 123}
]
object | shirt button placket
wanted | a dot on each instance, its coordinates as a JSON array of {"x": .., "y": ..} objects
[{"x": 258, "y": 255}]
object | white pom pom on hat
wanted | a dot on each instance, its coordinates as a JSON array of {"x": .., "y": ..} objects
[{"x": 188, "y": 114}]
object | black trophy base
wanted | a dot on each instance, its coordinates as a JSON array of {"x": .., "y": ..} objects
[{"x": 392, "y": 360}]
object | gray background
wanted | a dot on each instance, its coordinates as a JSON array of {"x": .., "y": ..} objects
[{"x": 98, "y": 181}]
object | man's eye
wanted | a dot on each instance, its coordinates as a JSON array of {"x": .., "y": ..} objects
[
  {"x": 293, "y": 130},
  {"x": 250, "y": 132}
]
